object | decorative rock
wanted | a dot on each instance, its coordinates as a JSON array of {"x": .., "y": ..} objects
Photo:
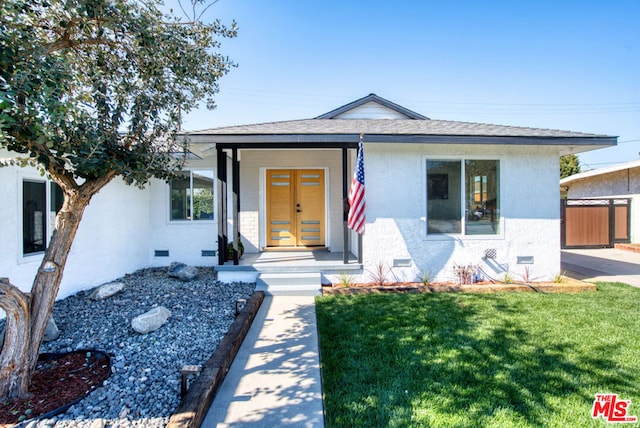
[
  {"x": 151, "y": 320},
  {"x": 162, "y": 352},
  {"x": 51, "y": 331},
  {"x": 98, "y": 423},
  {"x": 107, "y": 290},
  {"x": 182, "y": 271},
  {"x": 124, "y": 413}
]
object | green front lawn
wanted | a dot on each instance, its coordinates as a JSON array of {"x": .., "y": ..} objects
[{"x": 454, "y": 359}]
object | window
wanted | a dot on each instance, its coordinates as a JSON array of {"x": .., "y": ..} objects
[
  {"x": 34, "y": 225},
  {"x": 481, "y": 198},
  {"x": 37, "y": 222},
  {"x": 192, "y": 195},
  {"x": 447, "y": 183},
  {"x": 443, "y": 197}
]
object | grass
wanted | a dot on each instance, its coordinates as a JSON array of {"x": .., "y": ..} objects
[{"x": 463, "y": 360}]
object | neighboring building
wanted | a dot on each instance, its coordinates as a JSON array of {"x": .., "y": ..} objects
[
  {"x": 438, "y": 193},
  {"x": 621, "y": 181}
]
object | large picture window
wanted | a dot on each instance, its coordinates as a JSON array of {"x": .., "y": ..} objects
[
  {"x": 192, "y": 195},
  {"x": 463, "y": 197}
]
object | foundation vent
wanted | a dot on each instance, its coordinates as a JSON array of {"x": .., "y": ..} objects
[
  {"x": 161, "y": 253},
  {"x": 490, "y": 253},
  {"x": 401, "y": 262}
]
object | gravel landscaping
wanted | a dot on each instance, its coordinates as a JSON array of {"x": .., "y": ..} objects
[{"x": 144, "y": 388}]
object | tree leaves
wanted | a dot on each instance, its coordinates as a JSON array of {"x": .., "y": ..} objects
[
  {"x": 89, "y": 87},
  {"x": 569, "y": 165}
]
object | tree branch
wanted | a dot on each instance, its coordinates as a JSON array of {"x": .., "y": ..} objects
[
  {"x": 67, "y": 43},
  {"x": 205, "y": 9}
]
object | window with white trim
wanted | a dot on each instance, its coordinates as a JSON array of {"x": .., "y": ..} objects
[
  {"x": 191, "y": 194},
  {"x": 463, "y": 197},
  {"x": 39, "y": 210}
]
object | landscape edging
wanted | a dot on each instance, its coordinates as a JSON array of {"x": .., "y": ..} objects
[
  {"x": 194, "y": 406},
  {"x": 571, "y": 286}
]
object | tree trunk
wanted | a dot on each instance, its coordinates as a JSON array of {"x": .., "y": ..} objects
[
  {"x": 14, "y": 374},
  {"x": 47, "y": 281}
]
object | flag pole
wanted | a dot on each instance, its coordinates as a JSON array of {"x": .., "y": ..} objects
[
  {"x": 356, "y": 219},
  {"x": 360, "y": 234}
]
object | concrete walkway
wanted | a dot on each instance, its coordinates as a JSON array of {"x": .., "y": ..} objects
[
  {"x": 603, "y": 264},
  {"x": 274, "y": 380}
]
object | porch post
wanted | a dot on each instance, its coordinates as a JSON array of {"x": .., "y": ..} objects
[
  {"x": 235, "y": 167},
  {"x": 345, "y": 208},
  {"x": 222, "y": 205}
]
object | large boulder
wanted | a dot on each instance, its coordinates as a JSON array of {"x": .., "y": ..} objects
[
  {"x": 107, "y": 290},
  {"x": 182, "y": 271},
  {"x": 151, "y": 320},
  {"x": 51, "y": 331}
]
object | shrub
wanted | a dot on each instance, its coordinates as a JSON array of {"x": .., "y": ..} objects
[
  {"x": 425, "y": 277},
  {"x": 346, "y": 280},
  {"x": 464, "y": 274},
  {"x": 559, "y": 278},
  {"x": 507, "y": 278},
  {"x": 379, "y": 274}
]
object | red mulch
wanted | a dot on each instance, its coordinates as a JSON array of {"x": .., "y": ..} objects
[{"x": 56, "y": 383}]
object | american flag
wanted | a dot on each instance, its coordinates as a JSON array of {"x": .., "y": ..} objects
[{"x": 356, "y": 217}]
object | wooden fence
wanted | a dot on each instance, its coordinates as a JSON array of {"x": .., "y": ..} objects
[{"x": 595, "y": 223}]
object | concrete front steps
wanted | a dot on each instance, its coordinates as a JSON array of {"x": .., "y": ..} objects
[
  {"x": 290, "y": 284},
  {"x": 292, "y": 275},
  {"x": 277, "y": 283}
]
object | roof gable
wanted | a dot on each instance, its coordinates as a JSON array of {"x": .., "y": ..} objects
[{"x": 372, "y": 107}]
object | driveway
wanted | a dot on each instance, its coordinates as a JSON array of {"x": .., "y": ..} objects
[{"x": 602, "y": 264}]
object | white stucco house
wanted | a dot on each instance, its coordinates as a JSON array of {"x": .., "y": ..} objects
[
  {"x": 438, "y": 193},
  {"x": 619, "y": 181}
]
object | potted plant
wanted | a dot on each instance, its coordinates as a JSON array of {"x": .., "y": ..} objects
[{"x": 229, "y": 255}]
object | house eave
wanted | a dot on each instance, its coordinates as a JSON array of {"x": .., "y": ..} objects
[{"x": 576, "y": 144}]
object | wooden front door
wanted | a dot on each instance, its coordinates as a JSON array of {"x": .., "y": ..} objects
[{"x": 295, "y": 208}]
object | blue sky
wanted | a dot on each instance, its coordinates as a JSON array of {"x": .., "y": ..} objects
[{"x": 572, "y": 65}]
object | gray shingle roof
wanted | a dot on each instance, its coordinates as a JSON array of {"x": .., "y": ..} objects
[
  {"x": 327, "y": 131},
  {"x": 390, "y": 127}
]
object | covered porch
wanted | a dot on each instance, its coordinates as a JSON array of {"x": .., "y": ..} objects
[
  {"x": 245, "y": 171},
  {"x": 294, "y": 261}
]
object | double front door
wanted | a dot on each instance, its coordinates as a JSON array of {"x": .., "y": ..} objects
[{"x": 295, "y": 207}]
